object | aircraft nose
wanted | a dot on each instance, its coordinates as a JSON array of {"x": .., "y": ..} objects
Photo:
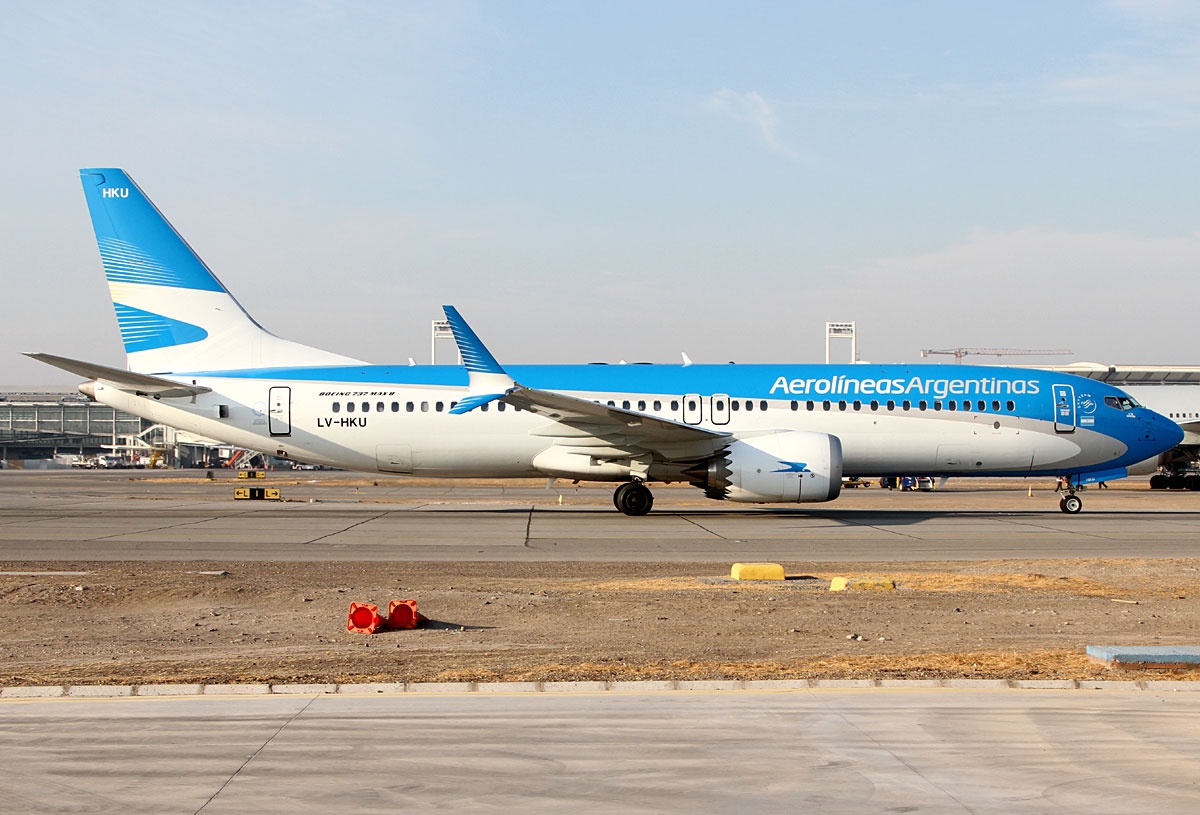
[{"x": 1161, "y": 432}]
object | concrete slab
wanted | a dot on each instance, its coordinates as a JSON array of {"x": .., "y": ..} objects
[
  {"x": 508, "y": 687},
  {"x": 1145, "y": 655},
  {"x": 855, "y": 750},
  {"x": 317, "y": 688},
  {"x": 574, "y": 687},
  {"x": 170, "y": 690},
  {"x": 33, "y": 692},
  {"x": 248, "y": 689},
  {"x": 440, "y": 687},
  {"x": 100, "y": 691},
  {"x": 371, "y": 687}
]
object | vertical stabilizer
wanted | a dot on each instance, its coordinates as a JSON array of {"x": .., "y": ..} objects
[{"x": 174, "y": 314}]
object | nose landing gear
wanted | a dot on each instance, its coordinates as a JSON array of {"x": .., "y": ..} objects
[
  {"x": 633, "y": 498},
  {"x": 1070, "y": 503}
]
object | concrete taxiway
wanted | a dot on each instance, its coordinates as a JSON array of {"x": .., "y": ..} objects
[
  {"x": 974, "y": 748},
  {"x": 841, "y": 750},
  {"x": 117, "y": 516}
]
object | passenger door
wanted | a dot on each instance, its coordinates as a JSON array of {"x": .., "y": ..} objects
[
  {"x": 279, "y": 402},
  {"x": 1064, "y": 408}
]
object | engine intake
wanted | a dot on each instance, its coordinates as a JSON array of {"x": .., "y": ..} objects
[{"x": 796, "y": 466}]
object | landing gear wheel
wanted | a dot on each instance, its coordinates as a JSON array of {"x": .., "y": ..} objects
[
  {"x": 1071, "y": 504},
  {"x": 633, "y": 498}
]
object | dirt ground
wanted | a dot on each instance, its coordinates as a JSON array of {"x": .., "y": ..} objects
[{"x": 138, "y": 623}]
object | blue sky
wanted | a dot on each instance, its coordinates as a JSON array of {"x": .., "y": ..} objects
[{"x": 613, "y": 181}]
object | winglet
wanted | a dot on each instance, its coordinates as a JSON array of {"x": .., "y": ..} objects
[
  {"x": 476, "y": 358},
  {"x": 487, "y": 380}
]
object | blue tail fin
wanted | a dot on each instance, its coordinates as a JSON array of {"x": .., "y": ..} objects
[{"x": 174, "y": 314}]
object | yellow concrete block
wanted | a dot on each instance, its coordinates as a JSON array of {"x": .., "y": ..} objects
[
  {"x": 757, "y": 571},
  {"x": 861, "y": 584}
]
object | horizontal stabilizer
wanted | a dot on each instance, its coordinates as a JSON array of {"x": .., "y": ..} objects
[
  {"x": 121, "y": 380},
  {"x": 469, "y": 403}
]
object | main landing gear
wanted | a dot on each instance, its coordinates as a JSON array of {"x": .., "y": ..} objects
[
  {"x": 633, "y": 498},
  {"x": 1070, "y": 503}
]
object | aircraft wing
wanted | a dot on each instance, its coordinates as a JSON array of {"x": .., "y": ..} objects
[
  {"x": 585, "y": 423},
  {"x": 121, "y": 380},
  {"x": 604, "y": 430}
]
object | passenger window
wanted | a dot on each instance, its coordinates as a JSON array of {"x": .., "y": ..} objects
[
  {"x": 641, "y": 404},
  {"x": 611, "y": 403},
  {"x": 675, "y": 404},
  {"x": 395, "y": 407},
  {"x": 811, "y": 405},
  {"x": 691, "y": 404},
  {"x": 439, "y": 407},
  {"x": 425, "y": 407},
  {"x": 762, "y": 405},
  {"x": 1011, "y": 405},
  {"x": 937, "y": 404},
  {"x": 922, "y": 405},
  {"x": 366, "y": 406},
  {"x": 349, "y": 407},
  {"x": 874, "y": 404},
  {"x": 996, "y": 405},
  {"x": 379, "y": 407},
  {"x": 749, "y": 405},
  {"x": 409, "y": 406},
  {"x": 483, "y": 407},
  {"x": 952, "y": 405},
  {"x": 795, "y": 405},
  {"x": 337, "y": 407},
  {"x": 499, "y": 407},
  {"x": 625, "y": 405},
  {"x": 857, "y": 404},
  {"x": 720, "y": 404},
  {"x": 657, "y": 405},
  {"x": 906, "y": 404},
  {"x": 825, "y": 405},
  {"x": 891, "y": 405},
  {"x": 842, "y": 404},
  {"x": 735, "y": 404}
]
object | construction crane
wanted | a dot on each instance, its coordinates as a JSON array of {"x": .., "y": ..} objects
[{"x": 959, "y": 353}]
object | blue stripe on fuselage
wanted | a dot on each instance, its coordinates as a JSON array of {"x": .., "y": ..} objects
[{"x": 1030, "y": 390}]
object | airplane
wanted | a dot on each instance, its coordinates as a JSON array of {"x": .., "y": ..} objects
[{"x": 759, "y": 434}]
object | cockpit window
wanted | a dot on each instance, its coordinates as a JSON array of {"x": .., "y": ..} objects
[{"x": 1121, "y": 402}]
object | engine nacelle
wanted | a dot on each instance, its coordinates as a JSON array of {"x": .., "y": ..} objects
[{"x": 796, "y": 466}]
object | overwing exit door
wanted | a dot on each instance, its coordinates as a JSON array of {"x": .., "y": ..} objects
[{"x": 1064, "y": 408}]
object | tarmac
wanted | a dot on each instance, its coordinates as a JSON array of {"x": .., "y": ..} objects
[
  {"x": 705, "y": 750},
  {"x": 126, "y": 515},
  {"x": 938, "y": 746}
]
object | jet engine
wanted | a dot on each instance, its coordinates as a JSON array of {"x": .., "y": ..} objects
[{"x": 795, "y": 466}]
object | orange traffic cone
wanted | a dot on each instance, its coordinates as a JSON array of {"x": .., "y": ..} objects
[
  {"x": 404, "y": 614},
  {"x": 364, "y": 618}
]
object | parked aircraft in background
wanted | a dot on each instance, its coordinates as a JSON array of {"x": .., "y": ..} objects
[{"x": 749, "y": 433}]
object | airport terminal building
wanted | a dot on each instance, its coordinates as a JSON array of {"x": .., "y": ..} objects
[{"x": 48, "y": 429}]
